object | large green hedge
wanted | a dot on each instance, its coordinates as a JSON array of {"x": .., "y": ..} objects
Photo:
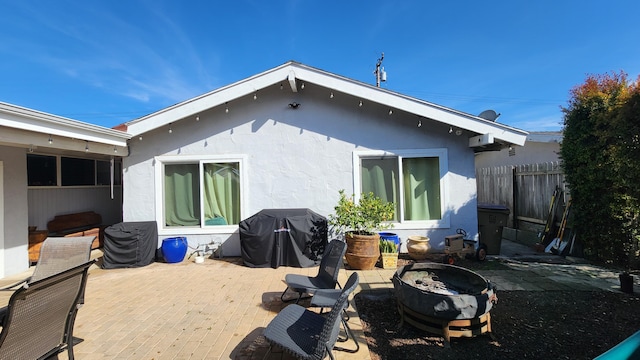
[{"x": 600, "y": 152}]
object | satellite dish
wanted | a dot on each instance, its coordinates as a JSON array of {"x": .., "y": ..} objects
[{"x": 489, "y": 115}]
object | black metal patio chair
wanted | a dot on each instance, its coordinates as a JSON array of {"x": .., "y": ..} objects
[
  {"x": 39, "y": 319},
  {"x": 327, "y": 277},
  {"x": 306, "y": 334}
]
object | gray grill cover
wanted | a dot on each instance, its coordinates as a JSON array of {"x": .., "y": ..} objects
[
  {"x": 287, "y": 237},
  {"x": 130, "y": 244}
]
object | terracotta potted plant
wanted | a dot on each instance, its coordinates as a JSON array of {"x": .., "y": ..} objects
[{"x": 358, "y": 222}]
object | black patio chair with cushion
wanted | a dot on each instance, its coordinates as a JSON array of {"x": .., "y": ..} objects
[
  {"x": 57, "y": 254},
  {"x": 327, "y": 277},
  {"x": 39, "y": 318},
  {"x": 326, "y": 298},
  {"x": 306, "y": 334}
]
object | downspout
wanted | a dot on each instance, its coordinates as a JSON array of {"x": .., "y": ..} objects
[{"x": 111, "y": 176}]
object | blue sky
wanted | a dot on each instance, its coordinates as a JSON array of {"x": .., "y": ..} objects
[{"x": 107, "y": 62}]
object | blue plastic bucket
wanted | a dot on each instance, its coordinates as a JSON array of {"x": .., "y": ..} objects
[
  {"x": 174, "y": 249},
  {"x": 390, "y": 236}
]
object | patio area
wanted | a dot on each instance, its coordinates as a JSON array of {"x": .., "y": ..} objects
[
  {"x": 218, "y": 309},
  {"x": 214, "y": 310}
]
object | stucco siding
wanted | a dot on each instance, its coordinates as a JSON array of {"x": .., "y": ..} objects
[
  {"x": 297, "y": 158},
  {"x": 16, "y": 234}
]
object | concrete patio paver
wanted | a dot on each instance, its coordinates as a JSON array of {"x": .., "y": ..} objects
[{"x": 218, "y": 309}]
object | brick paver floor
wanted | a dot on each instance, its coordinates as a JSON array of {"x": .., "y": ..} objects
[{"x": 218, "y": 309}]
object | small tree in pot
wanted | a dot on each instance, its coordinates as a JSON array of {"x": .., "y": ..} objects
[{"x": 358, "y": 222}]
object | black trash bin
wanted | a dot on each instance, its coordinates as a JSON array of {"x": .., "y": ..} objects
[{"x": 491, "y": 219}]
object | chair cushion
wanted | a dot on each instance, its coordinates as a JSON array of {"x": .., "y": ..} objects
[{"x": 301, "y": 283}]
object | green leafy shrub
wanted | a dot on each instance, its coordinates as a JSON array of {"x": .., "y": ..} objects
[
  {"x": 363, "y": 218},
  {"x": 600, "y": 152}
]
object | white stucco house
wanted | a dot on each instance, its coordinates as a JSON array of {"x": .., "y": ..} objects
[{"x": 290, "y": 137}]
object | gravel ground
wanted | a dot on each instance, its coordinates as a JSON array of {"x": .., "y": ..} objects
[{"x": 525, "y": 324}]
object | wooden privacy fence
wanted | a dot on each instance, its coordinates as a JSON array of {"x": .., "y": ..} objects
[{"x": 525, "y": 189}]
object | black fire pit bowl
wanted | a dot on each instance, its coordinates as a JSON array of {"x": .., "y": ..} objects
[{"x": 443, "y": 291}]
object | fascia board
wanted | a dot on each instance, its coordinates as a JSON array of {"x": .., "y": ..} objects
[
  {"x": 27, "y": 139},
  {"x": 415, "y": 106},
  {"x": 292, "y": 71},
  {"x": 47, "y": 124},
  {"x": 207, "y": 101}
]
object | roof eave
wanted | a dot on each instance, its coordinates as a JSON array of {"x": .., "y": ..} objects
[{"x": 292, "y": 71}]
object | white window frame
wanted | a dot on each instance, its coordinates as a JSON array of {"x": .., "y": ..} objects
[
  {"x": 441, "y": 154},
  {"x": 161, "y": 161}
]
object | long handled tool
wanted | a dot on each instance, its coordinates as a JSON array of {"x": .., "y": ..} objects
[
  {"x": 551, "y": 217},
  {"x": 555, "y": 246}
]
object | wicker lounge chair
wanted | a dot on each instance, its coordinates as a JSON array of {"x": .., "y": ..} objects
[
  {"x": 327, "y": 277},
  {"x": 39, "y": 319},
  {"x": 306, "y": 334},
  {"x": 326, "y": 298}
]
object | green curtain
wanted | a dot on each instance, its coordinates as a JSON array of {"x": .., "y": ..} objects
[
  {"x": 379, "y": 177},
  {"x": 221, "y": 194},
  {"x": 181, "y": 195},
  {"x": 421, "y": 179}
]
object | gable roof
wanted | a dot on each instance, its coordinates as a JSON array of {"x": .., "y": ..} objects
[
  {"x": 489, "y": 134},
  {"x": 23, "y": 127}
]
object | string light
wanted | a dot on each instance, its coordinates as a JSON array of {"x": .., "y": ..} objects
[
  {"x": 331, "y": 95},
  {"x": 170, "y": 130},
  {"x": 390, "y": 112},
  {"x": 302, "y": 86},
  {"x": 50, "y": 140},
  {"x": 197, "y": 117},
  {"x": 450, "y": 129},
  {"x": 419, "y": 123},
  {"x": 255, "y": 96},
  {"x": 226, "y": 108},
  {"x": 86, "y": 147},
  {"x": 360, "y": 104},
  {"x": 115, "y": 149}
]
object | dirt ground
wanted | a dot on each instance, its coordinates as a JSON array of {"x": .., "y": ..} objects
[{"x": 525, "y": 324}]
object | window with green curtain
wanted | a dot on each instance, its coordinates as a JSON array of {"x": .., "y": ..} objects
[
  {"x": 379, "y": 176},
  {"x": 421, "y": 179},
  {"x": 417, "y": 179},
  {"x": 182, "y": 194},
  {"x": 221, "y": 193}
]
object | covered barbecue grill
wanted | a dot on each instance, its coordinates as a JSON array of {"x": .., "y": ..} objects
[
  {"x": 130, "y": 244},
  {"x": 283, "y": 237}
]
